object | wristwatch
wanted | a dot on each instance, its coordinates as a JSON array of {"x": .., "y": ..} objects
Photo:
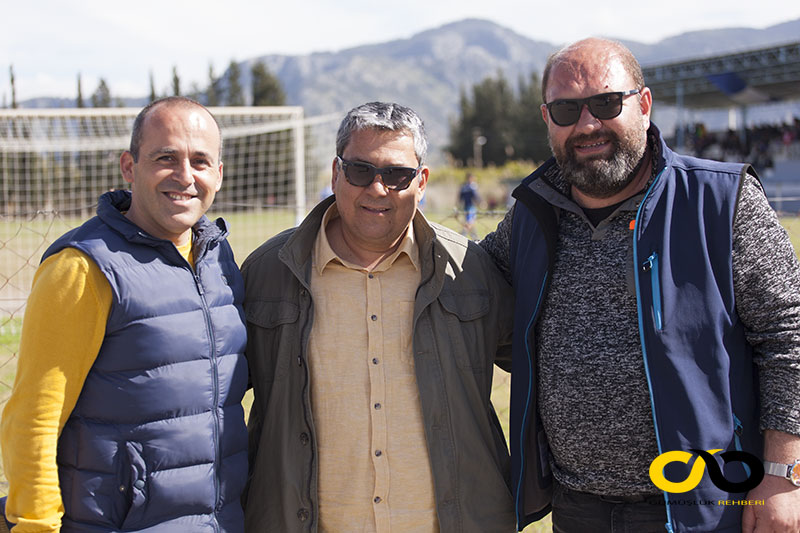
[{"x": 791, "y": 472}]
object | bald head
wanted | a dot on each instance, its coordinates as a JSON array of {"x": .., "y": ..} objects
[
  {"x": 577, "y": 60},
  {"x": 170, "y": 101}
]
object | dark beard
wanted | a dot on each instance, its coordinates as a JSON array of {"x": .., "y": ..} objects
[{"x": 602, "y": 177}]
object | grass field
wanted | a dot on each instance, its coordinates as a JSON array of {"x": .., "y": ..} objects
[{"x": 23, "y": 242}]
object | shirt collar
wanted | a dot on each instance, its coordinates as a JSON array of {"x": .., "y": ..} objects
[{"x": 324, "y": 254}]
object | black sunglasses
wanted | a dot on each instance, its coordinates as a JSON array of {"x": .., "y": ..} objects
[
  {"x": 363, "y": 174},
  {"x": 567, "y": 111}
]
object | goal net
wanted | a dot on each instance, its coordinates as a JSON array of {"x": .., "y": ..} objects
[{"x": 55, "y": 163}]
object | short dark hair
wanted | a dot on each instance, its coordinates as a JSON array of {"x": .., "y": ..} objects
[
  {"x": 383, "y": 116},
  {"x": 629, "y": 62},
  {"x": 138, "y": 124}
]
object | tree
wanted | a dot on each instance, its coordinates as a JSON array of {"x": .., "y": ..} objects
[
  {"x": 13, "y": 87},
  {"x": 460, "y": 132},
  {"x": 194, "y": 91},
  {"x": 484, "y": 130},
  {"x": 529, "y": 130},
  {"x": 495, "y": 125},
  {"x": 79, "y": 99},
  {"x": 102, "y": 95},
  {"x": 212, "y": 98},
  {"x": 176, "y": 82},
  {"x": 153, "y": 95},
  {"x": 267, "y": 89},
  {"x": 235, "y": 93}
]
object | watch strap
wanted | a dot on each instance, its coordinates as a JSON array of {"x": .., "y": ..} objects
[
  {"x": 777, "y": 469},
  {"x": 789, "y": 472}
]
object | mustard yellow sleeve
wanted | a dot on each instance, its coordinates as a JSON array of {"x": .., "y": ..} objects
[{"x": 62, "y": 332}]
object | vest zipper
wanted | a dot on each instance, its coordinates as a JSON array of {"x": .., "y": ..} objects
[
  {"x": 651, "y": 266},
  {"x": 526, "y": 414},
  {"x": 738, "y": 429},
  {"x": 637, "y": 230},
  {"x": 215, "y": 379}
]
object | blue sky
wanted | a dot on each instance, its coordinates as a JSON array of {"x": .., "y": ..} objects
[{"x": 50, "y": 41}]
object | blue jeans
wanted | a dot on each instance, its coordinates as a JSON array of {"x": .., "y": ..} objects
[{"x": 582, "y": 512}]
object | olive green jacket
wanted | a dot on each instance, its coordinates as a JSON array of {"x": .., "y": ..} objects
[{"x": 462, "y": 321}]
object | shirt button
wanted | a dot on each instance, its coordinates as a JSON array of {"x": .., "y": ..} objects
[
  {"x": 375, "y": 361},
  {"x": 374, "y": 317},
  {"x": 370, "y": 275},
  {"x": 377, "y": 406},
  {"x": 139, "y": 484},
  {"x": 377, "y": 499},
  {"x": 302, "y": 514},
  {"x": 303, "y": 438},
  {"x": 378, "y": 453}
]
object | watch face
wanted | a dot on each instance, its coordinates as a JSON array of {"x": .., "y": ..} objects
[{"x": 794, "y": 473}]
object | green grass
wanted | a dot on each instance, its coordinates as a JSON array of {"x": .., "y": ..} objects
[{"x": 792, "y": 225}]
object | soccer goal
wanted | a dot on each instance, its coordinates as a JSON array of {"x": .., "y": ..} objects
[{"x": 55, "y": 163}]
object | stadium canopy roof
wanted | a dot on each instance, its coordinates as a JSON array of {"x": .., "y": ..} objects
[{"x": 733, "y": 80}]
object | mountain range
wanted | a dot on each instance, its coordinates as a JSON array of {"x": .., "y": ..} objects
[{"x": 428, "y": 70}]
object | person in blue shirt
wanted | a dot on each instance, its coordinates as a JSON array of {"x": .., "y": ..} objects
[{"x": 469, "y": 198}]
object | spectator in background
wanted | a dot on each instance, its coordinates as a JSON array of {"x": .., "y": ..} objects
[
  {"x": 372, "y": 339},
  {"x": 468, "y": 199},
  {"x": 126, "y": 409},
  {"x": 657, "y": 310}
]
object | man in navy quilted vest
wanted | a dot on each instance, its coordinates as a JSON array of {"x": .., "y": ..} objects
[
  {"x": 656, "y": 365},
  {"x": 126, "y": 409}
]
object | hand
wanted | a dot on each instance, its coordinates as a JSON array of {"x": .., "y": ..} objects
[{"x": 779, "y": 513}]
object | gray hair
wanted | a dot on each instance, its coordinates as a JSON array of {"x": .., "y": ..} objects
[
  {"x": 138, "y": 123},
  {"x": 383, "y": 116}
]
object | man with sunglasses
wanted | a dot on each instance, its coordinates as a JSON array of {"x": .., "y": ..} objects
[
  {"x": 372, "y": 337},
  {"x": 657, "y": 310}
]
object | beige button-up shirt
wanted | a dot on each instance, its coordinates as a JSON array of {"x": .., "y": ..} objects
[{"x": 374, "y": 469}]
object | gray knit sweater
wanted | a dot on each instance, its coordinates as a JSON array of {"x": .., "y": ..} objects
[{"x": 593, "y": 395}]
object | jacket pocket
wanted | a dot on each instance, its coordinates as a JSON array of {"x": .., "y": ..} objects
[
  {"x": 273, "y": 337},
  {"x": 131, "y": 486},
  {"x": 464, "y": 313},
  {"x": 650, "y": 266}
]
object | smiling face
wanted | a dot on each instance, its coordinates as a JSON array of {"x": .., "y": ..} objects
[
  {"x": 373, "y": 219},
  {"x": 597, "y": 156},
  {"x": 178, "y": 171}
]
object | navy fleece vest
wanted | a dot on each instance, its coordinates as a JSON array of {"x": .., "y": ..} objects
[
  {"x": 700, "y": 372},
  {"x": 157, "y": 437}
]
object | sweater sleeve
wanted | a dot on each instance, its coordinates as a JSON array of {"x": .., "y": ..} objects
[
  {"x": 498, "y": 244},
  {"x": 766, "y": 281},
  {"x": 62, "y": 331}
]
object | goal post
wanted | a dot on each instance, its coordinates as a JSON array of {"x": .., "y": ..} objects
[{"x": 56, "y": 162}]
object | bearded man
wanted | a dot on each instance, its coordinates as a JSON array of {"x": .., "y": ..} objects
[{"x": 657, "y": 323}]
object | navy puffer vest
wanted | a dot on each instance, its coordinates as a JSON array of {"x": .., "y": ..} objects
[{"x": 157, "y": 439}]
